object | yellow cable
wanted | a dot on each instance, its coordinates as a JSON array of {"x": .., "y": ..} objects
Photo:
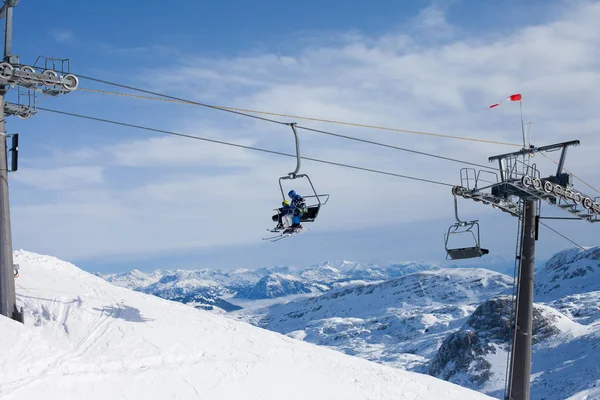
[
  {"x": 327, "y": 121},
  {"x": 299, "y": 117},
  {"x": 584, "y": 182}
]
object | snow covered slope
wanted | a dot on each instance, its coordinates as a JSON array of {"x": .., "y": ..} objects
[
  {"x": 400, "y": 322},
  {"x": 132, "y": 279},
  {"x": 476, "y": 355},
  {"x": 583, "y": 308},
  {"x": 569, "y": 272},
  {"x": 428, "y": 288},
  {"x": 85, "y": 338},
  {"x": 279, "y": 285},
  {"x": 189, "y": 287}
]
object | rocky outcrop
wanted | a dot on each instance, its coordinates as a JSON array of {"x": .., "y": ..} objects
[{"x": 463, "y": 357}]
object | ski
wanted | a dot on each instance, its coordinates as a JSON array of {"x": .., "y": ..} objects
[
  {"x": 284, "y": 234},
  {"x": 276, "y": 238}
]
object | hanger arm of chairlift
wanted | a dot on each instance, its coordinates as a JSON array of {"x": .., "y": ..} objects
[
  {"x": 293, "y": 174},
  {"x": 460, "y": 222}
]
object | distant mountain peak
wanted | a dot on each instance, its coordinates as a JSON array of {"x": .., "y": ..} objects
[
  {"x": 279, "y": 285},
  {"x": 569, "y": 272}
]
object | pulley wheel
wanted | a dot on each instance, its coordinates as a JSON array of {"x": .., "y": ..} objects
[
  {"x": 6, "y": 71},
  {"x": 29, "y": 70},
  {"x": 70, "y": 82},
  {"x": 527, "y": 181},
  {"x": 49, "y": 77}
]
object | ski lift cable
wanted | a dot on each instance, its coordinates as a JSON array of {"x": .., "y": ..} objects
[
  {"x": 241, "y": 111},
  {"x": 174, "y": 99},
  {"x": 570, "y": 240},
  {"x": 394, "y": 147},
  {"x": 581, "y": 180},
  {"x": 248, "y": 113},
  {"x": 243, "y": 146},
  {"x": 565, "y": 237},
  {"x": 244, "y": 112}
]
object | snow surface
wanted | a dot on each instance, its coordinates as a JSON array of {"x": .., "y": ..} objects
[
  {"x": 279, "y": 285},
  {"x": 437, "y": 288},
  {"x": 569, "y": 272},
  {"x": 400, "y": 322},
  {"x": 583, "y": 308},
  {"x": 133, "y": 279},
  {"x": 85, "y": 338}
]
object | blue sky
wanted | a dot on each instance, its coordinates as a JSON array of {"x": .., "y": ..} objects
[{"x": 112, "y": 198}]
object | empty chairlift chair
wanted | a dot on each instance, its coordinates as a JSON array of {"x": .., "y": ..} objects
[{"x": 462, "y": 228}]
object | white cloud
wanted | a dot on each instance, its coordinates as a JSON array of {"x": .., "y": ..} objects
[
  {"x": 63, "y": 178},
  {"x": 431, "y": 23},
  {"x": 393, "y": 80},
  {"x": 61, "y": 35},
  {"x": 172, "y": 151}
]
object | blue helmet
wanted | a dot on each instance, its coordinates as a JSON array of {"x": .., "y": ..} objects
[{"x": 292, "y": 193}]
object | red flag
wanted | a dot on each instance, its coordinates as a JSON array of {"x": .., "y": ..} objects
[
  {"x": 512, "y": 97},
  {"x": 515, "y": 97}
]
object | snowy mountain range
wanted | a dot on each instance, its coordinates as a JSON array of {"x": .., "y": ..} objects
[
  {"x": 451, "y": 323},
  {"x": 84, "y": 338},
  {"x": 278, "y": 285},
  {"x": 225, "y": 290},
  {"x": 218, "y": 289},
  {"x": 400, "y": 322},
  {"x": 454, "y": 324}
]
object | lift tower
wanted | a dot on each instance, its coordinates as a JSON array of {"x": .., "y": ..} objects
[
  {"x": 28, "y": 81},
  {"x": 518, "y": 189}
]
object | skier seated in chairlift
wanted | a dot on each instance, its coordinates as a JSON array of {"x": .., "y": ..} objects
[
  {"x": 284, "y": 220},
  {"x": 292, "y": 212}
]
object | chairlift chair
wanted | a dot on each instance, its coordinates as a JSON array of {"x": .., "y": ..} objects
[
  {"x": 313, "y": 208},
  {"x": 462, "y": 227}
]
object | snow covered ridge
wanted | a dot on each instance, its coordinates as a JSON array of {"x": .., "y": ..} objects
[
  {"x": 84, "y": 338},
  {"x": 400, "y": 322},
  {"x": 569, "y": 272},
  {"x": 211, "y": 289},
  {"x": 219, "y": 289},
  {"x": 279, "y": 285}
]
